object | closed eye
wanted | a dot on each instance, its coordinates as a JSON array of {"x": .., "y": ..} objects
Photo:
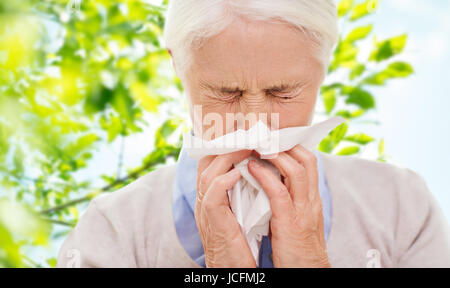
[
  {"x": 228, "y": 93},
  {"x": 228, "y": 96},
  {"x": 282, "y": 94},
  {"x": 285, "y": 93}
]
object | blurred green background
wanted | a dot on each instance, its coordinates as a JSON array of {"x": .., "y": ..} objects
[{"x": 89, "y": 102}]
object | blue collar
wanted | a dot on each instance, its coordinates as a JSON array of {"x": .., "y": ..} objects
[{"x": 184, "y": 199}]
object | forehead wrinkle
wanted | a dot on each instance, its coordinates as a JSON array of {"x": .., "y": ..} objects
[{"x": 247, "y": 71}]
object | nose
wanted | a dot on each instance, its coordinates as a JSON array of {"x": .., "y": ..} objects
[
  {"x": 256, "y": 107},
  {"x": 254, "y": 102}
]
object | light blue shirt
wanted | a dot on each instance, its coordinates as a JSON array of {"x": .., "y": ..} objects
[{"x": 184, "y": 198}]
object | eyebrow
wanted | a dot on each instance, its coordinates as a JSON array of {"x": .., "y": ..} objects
[
  {"x": 227, "y": 88},
  {"x": 286, "y": 86}
]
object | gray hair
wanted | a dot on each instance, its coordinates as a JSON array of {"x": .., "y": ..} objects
[{"x": 190, "y": 22}]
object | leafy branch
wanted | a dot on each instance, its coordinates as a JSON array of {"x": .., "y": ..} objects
[{"x": 351, "y": 98}]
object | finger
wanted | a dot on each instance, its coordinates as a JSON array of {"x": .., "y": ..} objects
[
  {"x": 295, "y": 174},
  {"x": 309, "y": 160},
  {"x": 221, "y": 164},
  {"x": 217, "y": 192},
  {"x": 255, "y": 153},
  {"x": 216, "y": 199},
  {"x": 280, "y": 200},
  {"x": 321, "y": 228},
  {"x": 202, "y": 164}
]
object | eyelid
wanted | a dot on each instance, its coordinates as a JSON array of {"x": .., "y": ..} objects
[
  {"x": 290, "y": 91},
  {"x": 280, "y": 89},
  {"x": 281, "y": 95},
  {"x": 230, "y": 92},
  {"x": 285, "y": 94},
  {"x": 227, "y": 96}
]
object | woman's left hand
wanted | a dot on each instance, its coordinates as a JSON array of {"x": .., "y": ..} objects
[{"x": 297, "y": 232}]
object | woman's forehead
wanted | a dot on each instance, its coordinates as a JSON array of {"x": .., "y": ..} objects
[{"x": 256, "y": 51}]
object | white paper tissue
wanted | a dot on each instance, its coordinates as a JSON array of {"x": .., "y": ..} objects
[{"x": 248, "y": 200}]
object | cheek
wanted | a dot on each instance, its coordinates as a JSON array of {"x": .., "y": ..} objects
[{"x": 294, "y": 114}]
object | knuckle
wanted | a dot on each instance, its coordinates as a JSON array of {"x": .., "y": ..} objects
[
  {"x": 282, "y": 193},
  {"x": 310, "y": 157},
  {"x": 317, "y": 208},
  {"x": 219, "y": 182},
  {"x": 204, "y": 179},
  {"x": 299, "y": 172},
  {"x": 208, "y": 207},
  {"x": 298, "y": 169}
]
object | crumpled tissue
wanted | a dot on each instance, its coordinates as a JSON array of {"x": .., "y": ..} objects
[{"x": 248, "y": 201}]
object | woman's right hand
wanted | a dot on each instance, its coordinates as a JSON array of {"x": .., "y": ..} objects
[{"x": 223, "y": 241}]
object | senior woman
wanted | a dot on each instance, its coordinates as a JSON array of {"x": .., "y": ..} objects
[{"x": 252, "y": 57}]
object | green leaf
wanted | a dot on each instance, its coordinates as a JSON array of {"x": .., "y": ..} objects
[
  {"x": 97, "y": 99},
  {"x": 382, "y": 159},
  {"x": 344, "y": 56},
  {"x": 388, "y": 48},
  {"x": 346, "y": 52},
  {"x": 344, "y": 113},
  {"x": 361, "y": 98},
  {"x": 360, "y": 138},
  {"x": 81, "y": 144},
  {"x": 86, "y": 141},
  {"x": 363, "y": 9},
  {"x": 112, "y": 125},
  {"x": 338, "y": 133},
  {"x": 357, "y": 71},
  {"x": 329, "y": 100},
  {"x": 350, "y": 115},
  {"x": 359, "y": 33},
  {"x": 166, "y": 130},
  {"x": 145, "y": 97},
  {"x": 333, "y": 86},
  {"x": 381, "y": 147},
  {"x": 400, "y": 69},
  {"x": 52, "y": 262},
  {"x": 9, "y": 250},
  {"x": 333, "y": 138},
  {"x": 344, "y": 7},
  {"x": 123, "y": 104},
  {"x": 394, "y": 70},
  {"x": 358, "y": 113},
  {"x": 326, "y": 145},
  {"x": 349, "y": 150}
]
